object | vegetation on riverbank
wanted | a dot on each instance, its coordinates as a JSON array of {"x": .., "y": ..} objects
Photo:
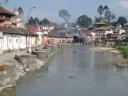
[
  {"x": 122, "y": 63},
  {"x": 123, "y": 50}
]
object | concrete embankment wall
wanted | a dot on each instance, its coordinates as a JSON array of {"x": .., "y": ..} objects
[{"x": 35, "y": 63}]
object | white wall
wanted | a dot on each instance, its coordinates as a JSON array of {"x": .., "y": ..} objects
[
  {"x": 5, "y": 46},
  {"x": 16, "y": 42},
  {"x": 31, "y": 41},
  {"x": 22, "y": 42},
  {"x": 10, "y": 42},
  {"x": 1, "y": 42},
  {"x": 39, "y": 42}
]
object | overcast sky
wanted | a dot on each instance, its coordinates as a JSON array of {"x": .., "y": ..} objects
[{"x": 50, "y": 8}]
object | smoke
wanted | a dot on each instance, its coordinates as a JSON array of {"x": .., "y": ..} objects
[{"x": 64, "y": 14}]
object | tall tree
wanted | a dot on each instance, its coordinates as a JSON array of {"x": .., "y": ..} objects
[
  {"x": 21, "y": 12},
  {"x": 84, "y": 21},
  {"x": 122, "y": 20},
  {"x": 100, "y": 10},
  {"x": 106, "y": 7},
  {"x": 107, "y": 13}
]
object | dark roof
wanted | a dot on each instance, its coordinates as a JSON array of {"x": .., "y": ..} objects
[
  {"x": 19, "y": 31},
  {"x": 4, "y": 11}
]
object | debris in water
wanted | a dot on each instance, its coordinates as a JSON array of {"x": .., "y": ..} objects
[{"x": 71, "y": 77}]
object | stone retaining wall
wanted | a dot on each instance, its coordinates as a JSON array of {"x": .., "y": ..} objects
[{"x": 38, "y": 61}]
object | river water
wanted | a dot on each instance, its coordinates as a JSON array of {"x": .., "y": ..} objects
[{"x": 76, "y": 71}]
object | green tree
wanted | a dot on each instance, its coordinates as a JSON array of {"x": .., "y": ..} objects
[
  {"x": 100, "y": 10},
  {"x": 44, "y": 22},
  {"x": 106, "y": 8},
  {"x": 107, "y": 13},
  {"x": 21, "y": 12},
  {"x": 122, "y": 20},
  {"x": 31, "y": 21},
  {"x": 97, "y": 19},
  {"x": 36, "y": 21},
  {"x": 84, "y": 21}
]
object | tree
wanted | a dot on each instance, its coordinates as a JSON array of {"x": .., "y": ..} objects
[
  {"x": 36, "y": 21},
  {"x": 108, "y": 16},
  {"x": 97, "y": 19},
  {"x": 44, "y": 22},
  {"x": 21, "y": 12},
  {"x": 100, "y": 10},
  {"x": 113, "y": 16},
  {"x": 122, "y": 20},
  {"x": 107, "y": 13},
  {"x": 84, "y": 21},
  {"x": 106, "y": 8},
  {"x": 31, "y": 21}
]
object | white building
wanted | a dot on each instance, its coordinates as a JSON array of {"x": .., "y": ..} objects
[{"x": 16, "y": 39}]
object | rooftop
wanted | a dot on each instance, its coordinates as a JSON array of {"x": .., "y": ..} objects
[
  {"x": 4, "y": 11},
  {"x": 19, "y": 31}
]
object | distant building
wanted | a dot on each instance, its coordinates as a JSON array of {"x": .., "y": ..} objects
[
  {"x": 17, "y": 20},
  {"x": 37, "y": 30},
  {"x": 48, "y": 27},
  {"x": 54, "y": 38}
]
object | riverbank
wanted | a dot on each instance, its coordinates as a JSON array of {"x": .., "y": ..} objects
[
  {"x": 28, "y": 64},
  {"x": 121, "y": 51},
  {"x": 104, "y": 49}
]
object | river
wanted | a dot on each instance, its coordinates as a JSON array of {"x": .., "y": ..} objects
[{"x": 76, "y": 71}]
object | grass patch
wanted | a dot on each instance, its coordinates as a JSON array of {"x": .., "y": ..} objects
[{"x": 123, "y": 50}]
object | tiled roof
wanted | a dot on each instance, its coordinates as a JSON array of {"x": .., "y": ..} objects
[
  {"x": 32, "y": 28},
  {"x": 101, "y": 29},
  {"x": 20, "y": 31},
  {"x": 4, "y": 11}
]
